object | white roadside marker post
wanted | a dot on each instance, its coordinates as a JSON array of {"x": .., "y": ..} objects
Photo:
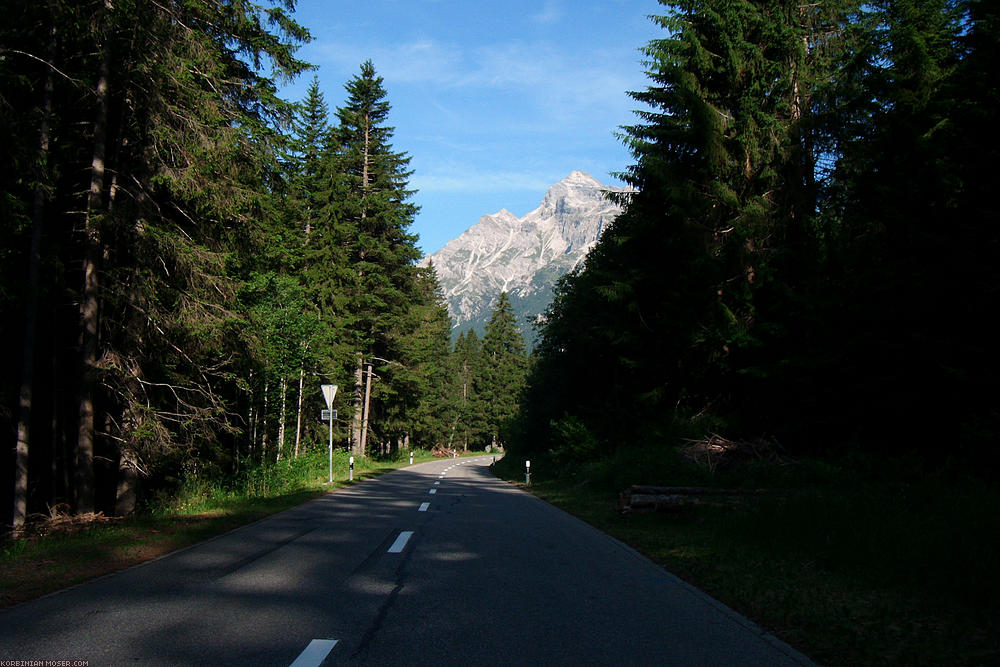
[
  {"x": 411, "y": 457},
  {"x": 527, "y": 472},
  {"x": 350, "y": 469}
]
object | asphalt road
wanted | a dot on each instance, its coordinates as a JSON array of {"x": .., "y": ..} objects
[{"x": 436, "y": 564}]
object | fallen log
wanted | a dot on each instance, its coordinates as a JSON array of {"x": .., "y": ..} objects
[
  {"x": 672, "y": 498},
  {"x": 657, "y": 502},
  {"x": 687, "y": 491}
]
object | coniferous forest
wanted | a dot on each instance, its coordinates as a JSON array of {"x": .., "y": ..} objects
[
  {"x": 808, "y": 254},
  {"x": 187, "y": 257}
]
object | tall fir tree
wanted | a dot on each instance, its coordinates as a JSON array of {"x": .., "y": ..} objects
[
  {"x": 373, "y": 215},
  {"x": 502, "y": 371},
  {"x": 467, "y": 427},
  {"x": 311, "y": 142}
]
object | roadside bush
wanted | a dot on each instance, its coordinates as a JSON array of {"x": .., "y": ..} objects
[{"x": 574, "y": 442}]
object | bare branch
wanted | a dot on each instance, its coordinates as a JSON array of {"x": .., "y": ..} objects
[{"x": 55, "y": 69}]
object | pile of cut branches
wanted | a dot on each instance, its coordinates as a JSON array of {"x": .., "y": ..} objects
[
  {"x": 715, "y": 451},
  {"x": 60, "y": 520}
]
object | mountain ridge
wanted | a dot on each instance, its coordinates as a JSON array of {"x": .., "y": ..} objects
[{"x": 522, "y": 256}]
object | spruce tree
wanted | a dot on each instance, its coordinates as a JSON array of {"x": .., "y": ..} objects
[
  {"x": 372, "y": 216},
  {"x": 467, "y": 426},
  {"x": 502, "y": 372},
  {"x": 311, "y": 141}
]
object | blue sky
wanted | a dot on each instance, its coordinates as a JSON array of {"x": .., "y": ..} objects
[{"x": 493, "y": 101}]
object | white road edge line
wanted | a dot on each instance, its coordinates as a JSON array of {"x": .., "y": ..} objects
[
  {"x": 315, "y": 653},
  {"x": 423, "y": 507},
  {"x": 400, "y": 542}
]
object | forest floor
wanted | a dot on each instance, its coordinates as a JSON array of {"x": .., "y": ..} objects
[
  {"x": 62, "y": 551},
  {"x": 857, "y": 562}
]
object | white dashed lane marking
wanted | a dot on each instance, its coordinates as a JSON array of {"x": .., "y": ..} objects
[
  {"x": 315, "y": 653},
  {"x": 400, "y": 542},
  {"x": 423, "y": 507}
]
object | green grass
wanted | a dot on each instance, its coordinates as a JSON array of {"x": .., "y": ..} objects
[
  {"x": 858, "y": 562},
  {"x": 197, "y": 510}
]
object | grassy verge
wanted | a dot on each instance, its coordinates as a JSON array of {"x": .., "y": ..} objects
[
  {"x": 56, "y": 555},
  {"x": 857, "y": 563}
]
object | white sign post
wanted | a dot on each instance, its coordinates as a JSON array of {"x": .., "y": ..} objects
[{"x": 329, "y": 392}]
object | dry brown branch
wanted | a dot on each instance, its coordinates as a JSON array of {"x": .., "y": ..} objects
[{"x": 52, "y": 67}]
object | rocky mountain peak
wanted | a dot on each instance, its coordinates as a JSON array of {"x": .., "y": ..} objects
[{"x": 522, "y": 256}]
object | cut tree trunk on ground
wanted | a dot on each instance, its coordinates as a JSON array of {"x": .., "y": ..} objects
[
  {"x": 688, "y": 490},
  {"x": 656, "y": 502},
  {"x": 673, "y": 498}
]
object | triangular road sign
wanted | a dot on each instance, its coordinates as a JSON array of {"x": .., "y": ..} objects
[{"x": 329, "y": 391}]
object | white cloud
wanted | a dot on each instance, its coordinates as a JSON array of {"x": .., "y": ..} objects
[
  {"x": 466, "y": 178},
  {"x": 418, "y": 61},
  {"x": 538, "y": 71}
]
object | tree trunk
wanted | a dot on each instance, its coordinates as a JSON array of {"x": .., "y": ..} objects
[
  {"x": 367, "y": 409},
  {"x": 358, "y": 404},
  {"x": 298, "y": 413},
  {"x": 127, "y": 480},
  {"x": 263, "y": 427},
  {"x": 281, "y": 419},
  {"x": 61, "y": 455},
  {"x": 359, "y": 425},
  {"x": 252, "y": 418},
  {"x": 364, "y": 167},
  {"x": 89, "y": 301},
  {"x": 31, "y": 305}
]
